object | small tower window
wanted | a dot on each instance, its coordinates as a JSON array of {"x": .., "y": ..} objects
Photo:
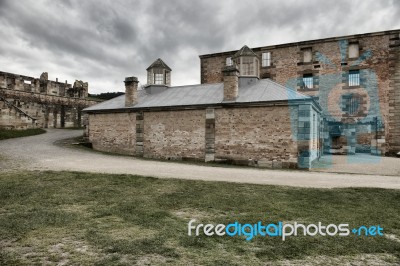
[
  {"x": 159, "y": 73},
  {"x": 247, "y": 66},
  {"x": 229, "y": 61},
  {"x": 247, "y": 62},
  {"x": 158, "y": 76}
]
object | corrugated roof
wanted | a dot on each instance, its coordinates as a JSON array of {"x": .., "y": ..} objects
[{"x": 264, "y": 90}]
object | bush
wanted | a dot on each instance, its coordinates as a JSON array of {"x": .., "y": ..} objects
[{"x": 12, "y": 133}]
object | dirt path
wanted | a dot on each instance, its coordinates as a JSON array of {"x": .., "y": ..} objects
[{"x": 39, "y": 153}]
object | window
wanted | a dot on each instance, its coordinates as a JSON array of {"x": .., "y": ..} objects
[
  {"x": 354, "y": 78},
  {"x": 229, "y": 61},
  {"x": 158, "y": 79},
  {"x": 308, "y": 81},
  {"x": 158, "y": 76},
  {"x": 266, "y": 59},
  {"x": 354, "y": 50},
  {"x": 247, "y": 67},
  {"x": 351, "y": 103},
  {"x": 307, "y": 55}
]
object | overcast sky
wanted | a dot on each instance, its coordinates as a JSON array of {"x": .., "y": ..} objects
[{"x": 102, "y": 42}]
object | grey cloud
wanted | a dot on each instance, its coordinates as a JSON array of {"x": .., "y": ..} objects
[{"x": 102, "y": 42}]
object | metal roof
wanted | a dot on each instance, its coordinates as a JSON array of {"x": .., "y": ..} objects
[
  {"x": 160, "y": 64},
  {"x": 244, "y": 51},
  {"x": 264, "y": 90}
]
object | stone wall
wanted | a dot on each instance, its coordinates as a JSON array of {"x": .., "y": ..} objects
[
  {"x": 43, "y": 85},
  {"x": 378, "y": 63},
  {"x": 393, "y": 136},
  {"x": 174, "y": 134},
  {"x": 273, "y": 136},
  {"x": 260, "y": 134},
  {"x": 21, "y": 110},
  {"x": 27, "y": 102},
  {"x": 113, "y": 132}
]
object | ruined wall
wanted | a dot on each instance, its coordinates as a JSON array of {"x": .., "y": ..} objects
[
  {"x": 174, "y": 134},
  {"x": 378, "y": 64},
  {"x": 114, "y": 132},
  {"x": 262, "y": 134},
  {"x": 21, "y": 110},
  {"x": 27, "y": 102},
  {"x": 43, "y": 85}
]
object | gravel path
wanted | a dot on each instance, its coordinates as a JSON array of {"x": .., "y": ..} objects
[{"x": 40, "y": 153}]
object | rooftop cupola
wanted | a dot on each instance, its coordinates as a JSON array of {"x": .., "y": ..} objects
[
  {"x": 159, "y": 73},
  {"x": 247, "y": 62}
]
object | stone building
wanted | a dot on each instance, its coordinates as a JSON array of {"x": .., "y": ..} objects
[
  {"x": 355, "y": 79},
  {"x": 240, "y": 118},
  {"x": 27, "y": 102},
  {"x": 273, "y": 106}
]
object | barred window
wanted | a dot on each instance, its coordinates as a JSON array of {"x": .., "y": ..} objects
[
  {"x": 351, "y": 103},
  {"x": 308, "y": 81},
  {"x": 266, "y": 59},
  {"x": 354, "y": 78}
]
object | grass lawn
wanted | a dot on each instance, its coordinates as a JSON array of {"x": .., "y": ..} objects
[
  {"x": 85, "y": 219},
  {"x": 9, "y": 133}
]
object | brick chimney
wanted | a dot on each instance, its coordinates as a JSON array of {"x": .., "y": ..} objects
[
  {"x": 131, "y": 84},
  {"x": 231, "y": 82}
]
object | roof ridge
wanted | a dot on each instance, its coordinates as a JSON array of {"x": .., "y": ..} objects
[{"x": 159, "y": 62}]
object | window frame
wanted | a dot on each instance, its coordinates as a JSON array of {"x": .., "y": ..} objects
[
  {"x": 308, "y": 79},
  {"x": 358, "y": 50},
  {"x": 351, "y": 104},
  {"x": 266, "y": 60},
  {"x": 228, "y": 61},
  {"x": 353, "y": 78},
  {"x": 158, "y": 79},
  {"x": 306, "y": 51}
]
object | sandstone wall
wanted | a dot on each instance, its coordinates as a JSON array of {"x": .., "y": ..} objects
[
  {"x": 21, "y": 110},
  {"x": 174, "y": 134},
  {"x": 378, "y": 63},
  {"x": 258, "y": 133},
  {"x": 269, "y": 136},
  {"x": 113, "y": 132}
]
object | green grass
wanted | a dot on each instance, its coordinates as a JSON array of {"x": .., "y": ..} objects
[
  {"x": 102, "y": 219},
  {"x": 10, "y": 133}
]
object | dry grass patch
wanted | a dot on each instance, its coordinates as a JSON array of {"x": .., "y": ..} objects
[{"x": 69, "y": 218}]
